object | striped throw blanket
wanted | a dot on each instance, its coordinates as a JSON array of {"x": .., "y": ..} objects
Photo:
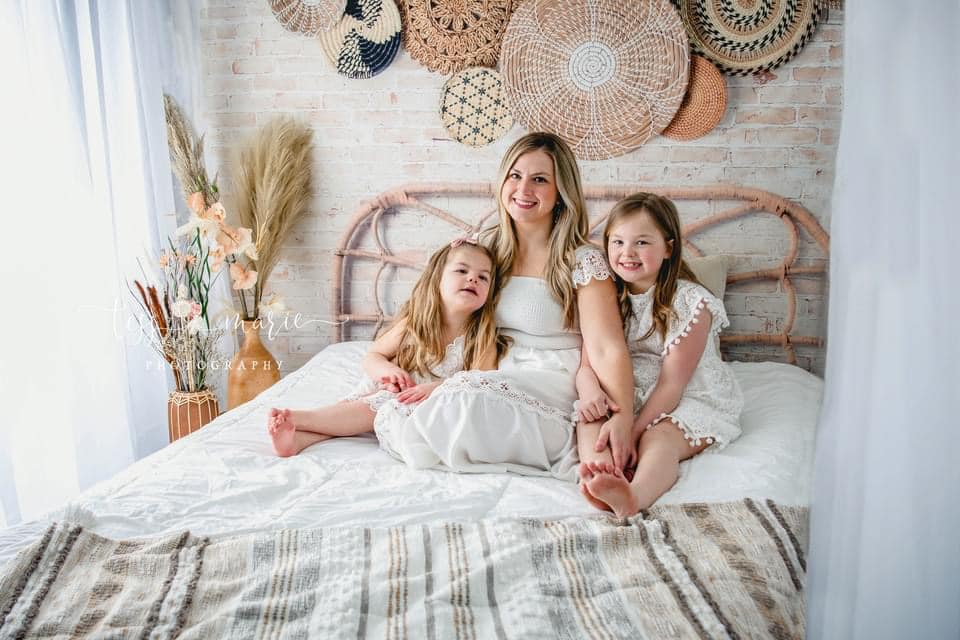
[{"x": 733, "y": 570}]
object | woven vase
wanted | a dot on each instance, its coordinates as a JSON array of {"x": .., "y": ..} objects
[
  {"x": 187, "y": 411},
  {"x": 252, "y": 370}
]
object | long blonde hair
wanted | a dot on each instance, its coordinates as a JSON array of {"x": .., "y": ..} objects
[
  {"x": 423, "y": 345},
  {"x": 664, "y": 215},
  {"x": 570, "y": 223}
]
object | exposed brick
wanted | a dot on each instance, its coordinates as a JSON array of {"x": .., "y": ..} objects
[
  {"x": 818, "y": 114},
  {"x": 252, "y": 65},
  {"x": 772, "y": 136},
  {"x": 712, "y": 155},
  {"x": 799, "y": 94},
  {"x": 766, "y": 115},
  {"x": 818, "y": 74}
]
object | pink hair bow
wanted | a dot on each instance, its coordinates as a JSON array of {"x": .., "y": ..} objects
[{"x": 473, "y": 239}]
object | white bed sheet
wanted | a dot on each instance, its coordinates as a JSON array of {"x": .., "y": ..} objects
[{"x": 224, "y": 479}]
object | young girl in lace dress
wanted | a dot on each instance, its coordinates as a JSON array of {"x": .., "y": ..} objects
[
  {"x": 687, "y": 398},
  {"x": 446, "y": 325}
]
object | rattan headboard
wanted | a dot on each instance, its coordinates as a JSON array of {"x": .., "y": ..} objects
[{"x": 719, "y": 207}]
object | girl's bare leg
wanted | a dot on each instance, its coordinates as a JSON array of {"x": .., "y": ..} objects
[
  {"x": 292, "y": 431},
  {"x": 590, "y": 458},
  {"x": 662, "y": 449}
]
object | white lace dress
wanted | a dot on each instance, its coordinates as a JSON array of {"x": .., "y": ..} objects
[
  {"x": 389, "y": 411},
  {"x": 709, "y": 410},
  {"x": 516, "y": 418}
]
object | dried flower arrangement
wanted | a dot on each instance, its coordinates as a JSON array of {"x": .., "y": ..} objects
[{"x": 178, "y": 307}]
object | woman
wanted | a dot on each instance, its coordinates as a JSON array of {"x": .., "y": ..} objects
[{"x": 556, "y": 287}]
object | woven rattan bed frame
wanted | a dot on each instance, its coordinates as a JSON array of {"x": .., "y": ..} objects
[{"x": 726, "y": 203}]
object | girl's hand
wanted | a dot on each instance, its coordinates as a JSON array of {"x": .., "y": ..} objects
[
  {"x": 617, "y": 432},
  {"x": 417, "y": 393},
  {"x": 596, "y": 407},
  {"x": 394, "y": 375}
]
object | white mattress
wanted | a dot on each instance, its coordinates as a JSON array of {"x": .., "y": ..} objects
[{"x": 225, "y": 479}]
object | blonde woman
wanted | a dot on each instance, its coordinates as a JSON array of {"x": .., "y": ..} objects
[
  {"x": 556, "y": 296},
  {"x": 446, "y": 325}
]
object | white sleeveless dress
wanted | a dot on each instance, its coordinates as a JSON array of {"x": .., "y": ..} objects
[
  {"x": 517, "y": 418},
  {"x": 384, "y": 403},
  {"x": 709, "y": 409}
]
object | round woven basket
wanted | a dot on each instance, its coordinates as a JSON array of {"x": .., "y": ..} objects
[
  {"x": 365, "y": 40},
  {"x": 450, "y": 36},
  {"x": 703, "y": 107},
  {"x": 474, "y": 107},
  {"x": 743, "y": 37},
  {"x": 309, "y": 18},
  {"x": 604, "y": 75}
]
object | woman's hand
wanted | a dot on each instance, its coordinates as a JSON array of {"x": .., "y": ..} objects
[
  {"x": 418, "y": 392},
  {"x": 617, "y": 432}
]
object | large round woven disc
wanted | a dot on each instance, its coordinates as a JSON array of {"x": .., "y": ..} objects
[
  {"x": 309, "y": 17},
  {"x": 743, "y": 37},
  {"x": 703, "y": 106},
  {"x": 605, "y": 75},
  {"x": 450, "y": 35},
  {"x": 474, "y": 107},
  {"x": 366, "y": 39}
]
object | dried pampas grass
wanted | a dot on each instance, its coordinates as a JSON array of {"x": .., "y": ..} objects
[
  {"x": 186, "y": 154},
  {"x": 273, "y": 189}
]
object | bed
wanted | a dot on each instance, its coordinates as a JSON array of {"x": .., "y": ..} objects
[{"x": 213, "y": 536}]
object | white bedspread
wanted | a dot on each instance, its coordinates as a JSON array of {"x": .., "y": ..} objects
[{"x": 225, "y": 478}]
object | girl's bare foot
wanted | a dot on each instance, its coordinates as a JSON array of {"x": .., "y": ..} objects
[
  {"x": 586, "y": 474},
  {"x": 610, "y": 486},
  {"x": 283, "y": 432}
]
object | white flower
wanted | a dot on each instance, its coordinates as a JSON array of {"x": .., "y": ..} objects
[
  {"x": 182, "y": 291},
  {"x": 181, "y": 308},
  {"x": 274, "y": 306},
  {"x": 197, "y": 325},
  {"x": 208, "y": 228}
]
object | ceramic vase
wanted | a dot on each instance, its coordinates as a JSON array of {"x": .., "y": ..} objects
[
  {"x": 252, "y": 369},
  {"x": 187, "y": 411}
]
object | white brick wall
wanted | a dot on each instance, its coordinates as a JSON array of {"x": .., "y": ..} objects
[{"x": 370, "y": 135}]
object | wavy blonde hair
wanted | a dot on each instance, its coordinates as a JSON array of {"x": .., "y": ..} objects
[
  {"x": 570, "y": 222},
  {"x": 666, "y": 218},
  {"x": 423, "y": 345}
]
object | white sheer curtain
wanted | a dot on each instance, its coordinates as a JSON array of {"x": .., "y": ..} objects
[
  {"x": 885, "y": 544},
  {"x": 85, "y": 177}
]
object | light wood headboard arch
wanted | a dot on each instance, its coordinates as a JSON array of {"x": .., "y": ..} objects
[{"x": 743, "y": 202}]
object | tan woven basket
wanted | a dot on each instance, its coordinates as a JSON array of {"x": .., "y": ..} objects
[
  {"x": 703, "y": 106},
  {"x": 474, "y": 107},
  {"x": 745, "y": 37},
  {"x": 604, "y": 75},
  {"x": 450, "y": 36},
  {"x": 308, "y": 18}
]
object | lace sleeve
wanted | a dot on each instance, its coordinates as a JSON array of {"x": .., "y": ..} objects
[
  {"x": 688, "y": 303},
  {"x": 591, "y": 265}
]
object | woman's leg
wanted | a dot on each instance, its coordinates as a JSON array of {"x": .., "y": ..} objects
[
  {"x": 292, "y": 431},
  {"x": 662, "y": 449}
]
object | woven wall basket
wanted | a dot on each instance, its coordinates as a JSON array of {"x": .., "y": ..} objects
[
  {"x": 704, "y": 104},
  {"x": 743, "y": 37},
  {"x": 449, "y": 36},
  {"x": 309, "y": 17},
  {"x": 604, "y": 75},
  {"x": 474, "y": 107},
  {"x": 366, "y": 39}
]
